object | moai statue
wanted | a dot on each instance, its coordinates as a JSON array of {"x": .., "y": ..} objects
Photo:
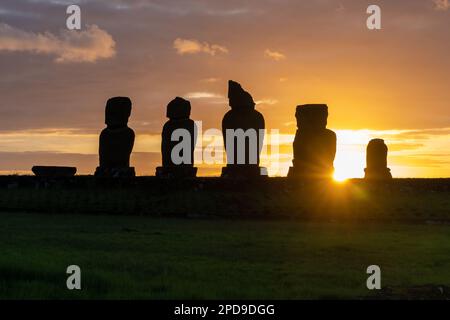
[
  {"x": 243, "y": 134},
  {"x": 116, "y": 140},
  {"x": 179, "y": 137},
  {"x": 314, "y": 144},
  {"x": 376, "y": 159}
]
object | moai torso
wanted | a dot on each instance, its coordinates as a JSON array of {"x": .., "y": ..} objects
[
  {"x": 376, "y": 159},
  {"x": 245, "y": 120},
  {"x": 315, "y": 150},
  {"x": 178, "y": 155},
  {"x": 314, "y": 145},
  {"x": 116, "y": 140},
  {"x": 116, "y": 146},
  {"x": 178, "y": 111},
  {"x": 242, "y": 116}
]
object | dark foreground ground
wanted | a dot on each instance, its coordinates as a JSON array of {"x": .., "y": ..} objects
[
  {"x": 151, "y": 239},
  {"x": 141, "y": 257},
  {"x": 418, "y": 200}
]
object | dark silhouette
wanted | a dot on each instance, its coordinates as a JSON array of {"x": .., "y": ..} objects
[
  {"x": 376, "y": 159},
  {"x": 314, "y": 144},
  {"x": 178, "y": 112},
  {"x": 54, "y": 172},
  {"x": 116, "y": 140},
  {"x": 243, "y": 158}
]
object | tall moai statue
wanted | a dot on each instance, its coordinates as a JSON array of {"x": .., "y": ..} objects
[
  {"x": 116, "y": 140},
  {"x": 376, "y": 160},
  {"x": 243, "y": 134},
  {"x": 179, "y": 137},
  {"x": 314, "y": 144}
]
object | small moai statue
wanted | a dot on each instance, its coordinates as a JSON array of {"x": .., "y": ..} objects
[
  {"x": 243, "y": 134},
  {"x": 376, "y": 160},
  {"x": 54, "y": 171},
  {"x": 314, "y": 144},
  {"x": 179, "y": 137},
  {"x": 116, "y": 140}
]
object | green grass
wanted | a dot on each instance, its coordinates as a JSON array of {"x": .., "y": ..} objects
[{"x": 124, "y": 257}]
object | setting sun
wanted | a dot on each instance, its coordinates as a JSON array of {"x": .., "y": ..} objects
[{"x": 339, "y": 178}]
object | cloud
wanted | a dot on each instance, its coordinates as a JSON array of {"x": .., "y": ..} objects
[
  {"x": 88, "y": 45},
  {"x": 203, "y": 95},
  {"x": 441, "y": 5},
  {"x": 267, "y": 102},
  {"x": 182, "y": 8},
  {"x": 417, "y": 135},
  {"x": 274, "y": 55},
  {"x": 187, "y": 46},
  {"x": 404, "y": 146},
  {"x": 17, "y": 13},
  {"x": 211, "y": 80}
]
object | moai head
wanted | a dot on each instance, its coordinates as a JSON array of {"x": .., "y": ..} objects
[
  {"x": 312, "y": 116},
  {"x": 117, "y": 112},
  {"x": 376, "y": 156},
  {"x": 178, "y": 108},
  {"x": 239, "y": 99}
]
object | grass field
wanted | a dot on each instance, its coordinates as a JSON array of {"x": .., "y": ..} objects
[{"x": 149, "y": 258}]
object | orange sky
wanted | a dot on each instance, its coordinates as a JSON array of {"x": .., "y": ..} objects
[{"x": 391, "y": 83}]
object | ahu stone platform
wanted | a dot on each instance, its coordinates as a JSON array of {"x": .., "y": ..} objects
[{"x": 271, "y": 198}]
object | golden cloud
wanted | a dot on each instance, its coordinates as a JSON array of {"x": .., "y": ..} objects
[
  {"x": 274, "y": 55},
  {"x": 192, "y": 46},
  {"x": 441, "y": 5},
  {"x": 88, "y": 45}
]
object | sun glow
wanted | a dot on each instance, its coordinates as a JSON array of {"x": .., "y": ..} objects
[
  {"x": 339, "y": 178},
  {"x": 350, "y": 155}
]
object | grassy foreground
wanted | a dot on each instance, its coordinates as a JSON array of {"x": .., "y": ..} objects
[{"x": 141, "y": 257}]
